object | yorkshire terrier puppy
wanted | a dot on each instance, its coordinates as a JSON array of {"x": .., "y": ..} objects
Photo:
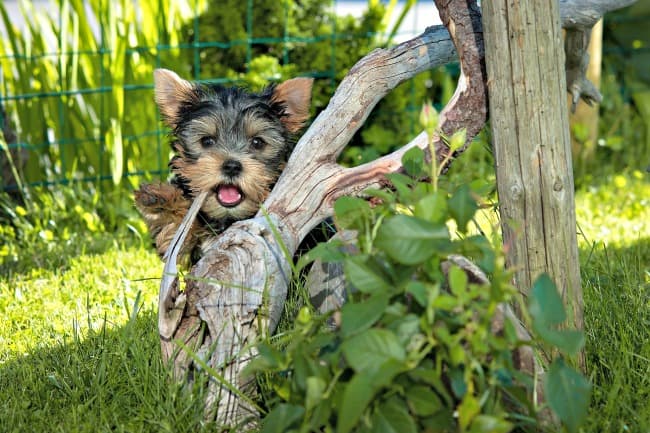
[{"x": 227, "y": 141}]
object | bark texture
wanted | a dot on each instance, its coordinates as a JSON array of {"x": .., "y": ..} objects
[{"x": 532, "y": 146}]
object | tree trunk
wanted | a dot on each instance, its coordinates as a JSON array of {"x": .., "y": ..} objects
[{"x": 532, "y": 147}]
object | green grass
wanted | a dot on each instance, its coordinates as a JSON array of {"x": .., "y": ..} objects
[
  {"x": 79, "y": 349},
  {"x": 614, "y": 218}
]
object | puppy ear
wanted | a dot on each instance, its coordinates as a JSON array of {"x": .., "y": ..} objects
[
  {"x": 295, "y": 95},
  {"x": 170, "y": 92}
]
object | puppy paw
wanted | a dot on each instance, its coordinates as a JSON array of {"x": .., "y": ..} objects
[
  {"x": 162, "y": 207},
  {"x": 160, "y": 198}
]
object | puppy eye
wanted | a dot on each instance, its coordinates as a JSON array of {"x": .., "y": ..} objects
[
  {"x": 208, "y": 141},
  {"x": 257, "y": 143}
]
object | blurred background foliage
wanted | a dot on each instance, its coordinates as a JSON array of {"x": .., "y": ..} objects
[
  {"x": 77, "y": 105},
  {"x": 624, "y": 129}
]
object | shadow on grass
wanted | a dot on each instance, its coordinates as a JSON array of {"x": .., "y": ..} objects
[
  {"x": 616, "y": 286},
  {"x": 110, "y": 380}
]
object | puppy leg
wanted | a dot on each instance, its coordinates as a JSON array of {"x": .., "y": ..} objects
[{"x": 163, "y": 207}]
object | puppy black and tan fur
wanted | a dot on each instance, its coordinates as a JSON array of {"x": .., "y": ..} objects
[{"x": 227, "y": 141}]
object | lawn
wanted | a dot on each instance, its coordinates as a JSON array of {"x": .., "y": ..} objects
[{"x": 79, "y": 348}]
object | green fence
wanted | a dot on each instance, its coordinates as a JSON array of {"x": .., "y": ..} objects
[{"x": 76, "y": 90}]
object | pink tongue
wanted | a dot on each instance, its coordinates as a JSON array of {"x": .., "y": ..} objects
[{"x": 229, "y": 194}]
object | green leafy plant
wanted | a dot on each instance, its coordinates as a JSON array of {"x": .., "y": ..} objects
[
  {"x": 413, "y": 348},
  {"x": 567, "y": 391}
]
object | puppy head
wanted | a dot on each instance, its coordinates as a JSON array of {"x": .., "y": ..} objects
[{"x": 229, "y": 141}]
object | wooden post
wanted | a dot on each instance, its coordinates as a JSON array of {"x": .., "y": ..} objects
[{"x": 530, "y": 127}]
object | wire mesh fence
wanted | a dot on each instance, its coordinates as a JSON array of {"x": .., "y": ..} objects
[{"x": 76, "y": 100}]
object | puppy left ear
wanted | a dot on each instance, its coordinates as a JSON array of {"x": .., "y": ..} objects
[
  {"x": 170, "y": 92},
  {"x": 295, "y": 95}
]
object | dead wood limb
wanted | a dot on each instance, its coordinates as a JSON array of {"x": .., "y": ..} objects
[
  {"x": 584, "y": 14},
  {"x": 236, "y": 292},
  {"x": 578, "y": 18},
  {"x": 468, "y": 106}
]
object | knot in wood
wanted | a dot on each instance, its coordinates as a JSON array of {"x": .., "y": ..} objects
[
  {"x": 558, "y": 185},
  {"x": 516, "y": 191}
]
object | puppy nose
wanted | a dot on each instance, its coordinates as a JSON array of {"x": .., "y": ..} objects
[{"x": 231, "y": 167}]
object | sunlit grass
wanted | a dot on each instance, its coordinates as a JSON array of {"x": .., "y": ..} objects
[
  {"x": 614, "y": 237},
  {"x": 616, "y": 211},
  {"x": 47, "y": 306}
]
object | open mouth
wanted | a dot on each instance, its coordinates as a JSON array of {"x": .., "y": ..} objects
[{"x": 229, "y": 195}]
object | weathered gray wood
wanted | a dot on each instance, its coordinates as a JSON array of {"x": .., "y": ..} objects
[
  {"x": 587, "y": 116},
  {"x": 578, "y": 17},
  {"x": 532, "y": 148},
  {"x": 575, "y": 14}
]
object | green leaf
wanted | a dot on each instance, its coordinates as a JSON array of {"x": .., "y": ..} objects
[
  {"x": 467, "y": 409},
  {"x": 351, "y": 212},
  {"x": 457, "y": 354},
  {"x": 546, "y": 305},
  {"x": 281, "y": 418},
  {"x": 402, "y": 184},
  {"x": 482, "y": 187},
  {"x": 423, "y": 401},
  {"x": 315, "y": 391},
  {"x": 382, "y": 194},
  {"x": 458, "y": 385},
  {"x": 568, "y": 341},
  {"x": 410, "y": 240},
  {"x": 269, "y": 358},
  {"x": 547, "y": 310},
  {"x": 303, "y": 368},
  {"x": 413, "y": 162},
  {"x": 358, "y": 393},
  {"x": 567, "y": 393},
  {"x": 361, "y": 389},
  {"x": 327, "y": 252},
  {"x": 432, "y": 207},
  {"x": 457, "y": 281},
  {"x": 419, "y": 291},
  {"x": 462, "y": 207},
  {"x": 441, "y": 422},
  {"x": 368, "y": 350},
  {"x": 359, "y": 274},
  {"x": 490, "y": 424},
  {"x": 357, "y": 317},
  {"x": 392, "y": 417},
  {"x": 445, "y": 302},
  {"x": 408, "y": 331},
  {"x": 458, "y": 139}
]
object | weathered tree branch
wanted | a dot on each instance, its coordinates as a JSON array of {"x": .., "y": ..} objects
[
  {"x": 578, "y": 18},
  {"x": 236, "y": 292}
]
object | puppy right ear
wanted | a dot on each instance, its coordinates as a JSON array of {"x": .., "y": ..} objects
[
  {"x": 171, "y": 92},
  {"x": 295, "y": 95}
]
